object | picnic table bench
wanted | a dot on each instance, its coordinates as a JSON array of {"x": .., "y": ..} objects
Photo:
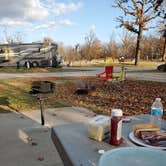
[{"x": 76, "y": 149}]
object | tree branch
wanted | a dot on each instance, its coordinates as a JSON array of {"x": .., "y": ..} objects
[
  {"x": 150, "y": 1},
  {"x": 157, "y": 4},
  {"x": 130, "y": 7},
  {"x": 135, "y": 5},
  {"x": 130, "y": 27},
  {"x": 148, "y": 18},
  {"x": 150, "y": 7},
  {"x": 147, "y": 28},
  {"x": 139, "y": 2},
  {"x": 125, "y": 10}
]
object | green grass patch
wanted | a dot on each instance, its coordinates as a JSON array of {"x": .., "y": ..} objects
[{"x": 14, "y": 95}]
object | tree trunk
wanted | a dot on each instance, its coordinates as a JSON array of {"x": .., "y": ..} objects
[
  {"x": 138, "y": 51},
  {"x": 164, "y": 51}
]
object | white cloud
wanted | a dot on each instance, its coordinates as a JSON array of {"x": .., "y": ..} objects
[
  {"x": 17, "y": 13},
  {"x": 66, "y": 22},
  {"x": 22, "y": 9},
  {"x": 45, "y": 26},
  {"x": 54, "y": 24},
  {"x": 62, "y": 8},
  {"x": 11, "y": 23},
  {"x": 35, "y": 9}
]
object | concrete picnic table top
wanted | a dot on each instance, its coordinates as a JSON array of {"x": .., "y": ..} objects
[{"x": 76, "y": 149}]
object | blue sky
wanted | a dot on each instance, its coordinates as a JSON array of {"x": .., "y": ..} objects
[
  {"x": 99, "y": 17},
  {"x": 66, "y": 21}
]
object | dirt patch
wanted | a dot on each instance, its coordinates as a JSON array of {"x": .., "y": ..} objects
[{"x": 133, "y": 97}]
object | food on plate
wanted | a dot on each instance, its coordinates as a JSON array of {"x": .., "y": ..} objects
[
  {"x": 154, "y": 139},
  {"x": 150, "y": 134},
  {"x": 139, "y": 128}
]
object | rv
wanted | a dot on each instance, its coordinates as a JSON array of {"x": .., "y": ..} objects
[{"x": 29, "y": 55}]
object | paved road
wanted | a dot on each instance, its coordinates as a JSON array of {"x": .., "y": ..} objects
[
  {"x": 149, "y": 76},
  {"x": 141, "y": 73}
]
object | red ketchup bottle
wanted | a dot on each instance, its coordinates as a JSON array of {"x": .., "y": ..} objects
[{"x": 116, "y": 127}]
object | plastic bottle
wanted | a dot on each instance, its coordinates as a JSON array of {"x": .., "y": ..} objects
[
  {"x": 157, "y": 112},
  {"x": 116, "y": 127}
]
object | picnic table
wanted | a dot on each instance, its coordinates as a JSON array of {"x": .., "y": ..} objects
[{"x": 76, "y": 149}]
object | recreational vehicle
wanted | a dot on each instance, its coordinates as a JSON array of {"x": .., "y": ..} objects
[{"x": 29, "y": 55}]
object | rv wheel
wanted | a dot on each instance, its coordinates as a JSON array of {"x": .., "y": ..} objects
[
  {"x": 28, "y": 65},
  {"x": 35, "y": 64}
]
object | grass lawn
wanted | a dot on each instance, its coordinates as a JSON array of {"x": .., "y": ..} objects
[
  {"x": 14, "y": 95},
  {"x": 101, "y": 63},
  {"x": 133, "y": 97}
]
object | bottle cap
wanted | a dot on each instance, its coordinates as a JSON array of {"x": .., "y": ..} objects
[
  {"x": 101, "y": 151},
  {"x": 158, "y": 99},
  {"x": 116, "y": 112}
]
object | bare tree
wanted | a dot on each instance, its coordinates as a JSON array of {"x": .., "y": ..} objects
[
  {"x": 151, "y": 48},
  {"x": 77, "y": 51},
  {"x": 8, "y": 38},
  {"x": 111, "y": 48},
  {"x": 128, "y": 45},
  {"x": 90, "y": 39},
  {"x": 162, "y": 27},
  {"x": 164, "y": 47},
  {"x": 139, "y": 13},
  {"x": 16, "y": 37},
  {"x": 69, "y": 53},
  {"x": 61, "y": 49}
]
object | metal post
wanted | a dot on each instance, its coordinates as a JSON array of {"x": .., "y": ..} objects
[
  {"x": 18, "y": 65},
  {"x": 42, "y": 111},
  {"x": 40, "y": 89},
  {"x": 123, "y": 73}
]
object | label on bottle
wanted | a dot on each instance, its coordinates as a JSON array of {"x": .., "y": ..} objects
[
  {"x": 157, "y": 112},
  {"x": 119, "y": 130}
]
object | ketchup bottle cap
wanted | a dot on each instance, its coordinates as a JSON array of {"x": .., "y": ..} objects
[{"x": 116, "y": 112}]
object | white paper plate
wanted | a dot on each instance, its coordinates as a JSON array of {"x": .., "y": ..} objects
[{"x": 142, "y": 143}]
